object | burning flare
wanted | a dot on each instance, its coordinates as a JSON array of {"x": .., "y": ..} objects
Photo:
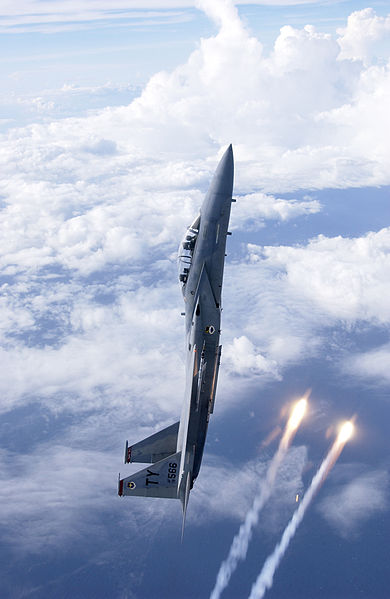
[
  {"x": 297, "y": 414},
  {"x": 239, "y": 547},
  {"x": 265, "y": 579},
  {"x": 345, "y": 433}
]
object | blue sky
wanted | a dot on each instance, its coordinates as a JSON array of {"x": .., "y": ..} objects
[
  {"x": 112, "y": 124},
  {"x": 128, "y": 46}
]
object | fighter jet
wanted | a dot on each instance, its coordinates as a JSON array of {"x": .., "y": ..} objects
[{"x": 175, "y": 453}]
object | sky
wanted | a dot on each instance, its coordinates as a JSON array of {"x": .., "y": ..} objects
[{"x": 113, "y": 117}]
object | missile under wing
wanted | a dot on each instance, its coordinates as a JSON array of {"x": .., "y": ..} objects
[{"x": 174, "y": 454}]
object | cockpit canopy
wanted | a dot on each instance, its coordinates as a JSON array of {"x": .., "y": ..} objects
[{"x": 186, "y": 251}]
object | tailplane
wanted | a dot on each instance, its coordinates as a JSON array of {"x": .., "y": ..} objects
[{"x": 158, "y": 480}]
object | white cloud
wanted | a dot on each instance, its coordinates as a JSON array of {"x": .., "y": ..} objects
[
  {"x": 301, "y": 117},
  {"x": 109, "y": 194},
  {"x": 64, "y": 496},
  {"x": 65, "y": 489},
  {"x": 30, "y": 12},
  {"x": 53, "y": 17},
  {"x": 351, "y": 505},
  {"x": 12, "y": 316},
  {"x": 280, "y": 303},
  {"x": 345, "y": 278},
  {"x": 102, "y": 352},
  {"x": 273, "y": 327},
  {"x": 374, "y": 364},
  {"x": 286, "y": 120},
  {"x": 242, "y": 358},
  {"x": 364, "y": 34},
  {"x": 252, "y": 209},
  {"x": 92, "y": 209}
]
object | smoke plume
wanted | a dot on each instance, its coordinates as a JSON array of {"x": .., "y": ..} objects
[
  {"x": 239, "y": 547},
  {"x": 265, "y": 578}
]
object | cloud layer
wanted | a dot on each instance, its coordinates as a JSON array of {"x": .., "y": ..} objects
[
  {"x": 112, "y": 192},
  {"x": 93, "y": 208},
  {"x": 350, "y": 506}
]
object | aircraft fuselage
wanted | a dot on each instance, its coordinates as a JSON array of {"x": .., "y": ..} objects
[
  {"x": 176, "y": 451},
  {"x": 202, "y": 296}
]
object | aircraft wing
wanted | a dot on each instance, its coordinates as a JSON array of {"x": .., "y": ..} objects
[{"x": 158, "y": 480}]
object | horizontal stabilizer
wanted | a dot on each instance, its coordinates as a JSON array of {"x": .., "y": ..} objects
[
  {"x": 153, "y": 448},
  {"x": 158, "y": 480}
]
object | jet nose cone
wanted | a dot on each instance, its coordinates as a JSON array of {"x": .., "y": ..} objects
[
  {"x": 226, "y": 161},
  {"x": 224, "y": 173}
]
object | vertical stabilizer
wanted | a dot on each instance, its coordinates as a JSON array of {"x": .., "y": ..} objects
[
  {"x": 158, "y": 480},
  {"x": 154, "y": 448}
]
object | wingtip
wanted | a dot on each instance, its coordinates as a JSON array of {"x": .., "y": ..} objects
[{"x": 120, "y": 486}]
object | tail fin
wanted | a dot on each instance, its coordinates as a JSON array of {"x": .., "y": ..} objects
[
  {"x": 184, "y": 502},
  {"x": 158, "y": 480},
  {"x": 154, "y": 448}
]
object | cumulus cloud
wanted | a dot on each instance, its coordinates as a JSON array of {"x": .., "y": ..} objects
[
  {"x": 353, "y": 504},
  {"x": 282, "y": 300},
  {"x": 242, "y": 358},
  {"x": 287, "y": 119},
  {"x": 365, "y": 37},
  {"x": 92, "y": 209},
  {"x": 109, "y": 194},
  {"x": 303, "y": 116},
  {"x": 255, "y": 208},
  {"x": 346, "y": 278},
  {"x": 267, "y": 329}
]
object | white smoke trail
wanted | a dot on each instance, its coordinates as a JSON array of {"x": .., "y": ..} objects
[
  {"x": 265, "y": 578},
  {"x": 239, "y": 547}
]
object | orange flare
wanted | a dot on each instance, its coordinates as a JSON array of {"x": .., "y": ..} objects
[
  {"x": 297, "y": 414},
  {"x": 345, "y": 433}
]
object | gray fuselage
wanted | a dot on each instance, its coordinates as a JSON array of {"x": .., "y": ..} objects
[{"x": 202, "y": 286}]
